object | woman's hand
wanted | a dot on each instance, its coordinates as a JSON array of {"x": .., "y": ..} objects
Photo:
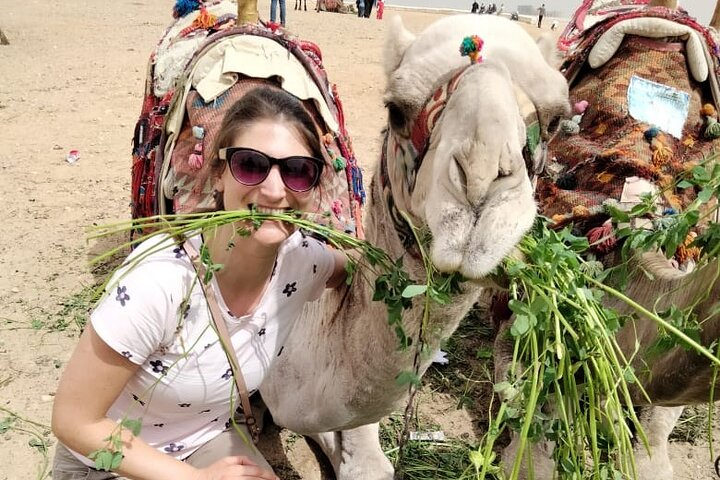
[{"x": 235, "y": 468}]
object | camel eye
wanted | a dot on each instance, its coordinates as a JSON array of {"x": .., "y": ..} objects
[{"x": 397, "y": 117}]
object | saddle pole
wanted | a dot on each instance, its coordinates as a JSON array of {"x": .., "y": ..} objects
[
  {"x": 247, "y": 12},
  {"x": 671, "y": 4}
]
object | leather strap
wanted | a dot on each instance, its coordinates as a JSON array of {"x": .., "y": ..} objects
[{"x": 224, "y": 336}]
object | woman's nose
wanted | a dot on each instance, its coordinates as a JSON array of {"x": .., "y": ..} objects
[{"x": 273, "y": 185}]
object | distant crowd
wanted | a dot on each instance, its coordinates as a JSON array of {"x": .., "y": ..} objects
[{"x": 491, "y": 9}]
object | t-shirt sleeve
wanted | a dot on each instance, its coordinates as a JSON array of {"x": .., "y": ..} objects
[
  {"x": 140, "y": 309},
  {"x": 323, "y": 263}
]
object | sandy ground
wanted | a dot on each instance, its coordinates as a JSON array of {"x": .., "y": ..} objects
[{"x": 72, "y": 78}]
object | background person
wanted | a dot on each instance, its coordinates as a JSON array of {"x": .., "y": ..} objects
[
  {"x": 273, "y": 10},
  {"x": 541, "y": 14},
  {"x": 150, "y": 351}
]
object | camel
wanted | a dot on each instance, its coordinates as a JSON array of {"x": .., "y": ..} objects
[
  {"x": 677, "y": 377},
  {"x": 336, "y": 377}
]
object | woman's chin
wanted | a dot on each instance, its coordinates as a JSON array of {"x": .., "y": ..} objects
[{"x": 273, "y": 232}]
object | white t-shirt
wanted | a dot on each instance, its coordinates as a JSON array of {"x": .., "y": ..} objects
[{"x": 156, "y": 315}]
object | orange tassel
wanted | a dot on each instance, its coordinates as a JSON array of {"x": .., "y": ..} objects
[
  {"x": 204, "y": 19},
  {"x": 685, "y": 252},
  {"x": 708, "y": 110},
  {"x": 601, "y": 129},
  {"x": 557, "y": 218}
]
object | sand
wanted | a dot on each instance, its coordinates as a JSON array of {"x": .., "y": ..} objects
[{"x": 72, "y": 78}]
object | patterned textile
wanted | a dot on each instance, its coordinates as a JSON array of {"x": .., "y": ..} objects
[
  {"x": 592, "y": 166},
  {"x": 169, "y": 178}
]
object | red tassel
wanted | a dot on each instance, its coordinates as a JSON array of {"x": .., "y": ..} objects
[
  {"x": 196, "y": 158},
  {"x": 602, "y": 239}
]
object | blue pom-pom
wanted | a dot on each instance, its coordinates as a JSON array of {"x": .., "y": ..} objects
[
  {"x": 183, "y": 7},
  {"x": 651, "y": 133}
]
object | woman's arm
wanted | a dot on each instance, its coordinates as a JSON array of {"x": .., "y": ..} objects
[
  {"x": 93, "y": 379},
  {"x": 339, "y": 273}
]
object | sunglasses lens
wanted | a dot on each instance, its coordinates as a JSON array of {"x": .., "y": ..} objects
[
  {"x": 249, "y": 168},
  {"x": 300, "y": 173}
]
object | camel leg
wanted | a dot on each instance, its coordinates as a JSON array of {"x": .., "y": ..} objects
[
  {"x": 658, "y": 424},
  {"x": 356, "y": 454}
]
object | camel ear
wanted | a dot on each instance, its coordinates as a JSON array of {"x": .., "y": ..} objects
[
  {"x": 547, "y": 43},
  {"x": 397, "y": 42}
]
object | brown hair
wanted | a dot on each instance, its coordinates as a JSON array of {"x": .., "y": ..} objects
[{"x": 264, "y": 103}]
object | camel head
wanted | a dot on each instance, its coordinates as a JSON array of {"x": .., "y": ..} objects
[
  {"x": 413, "y": 65},
  {"x": 454, "y": 143}
]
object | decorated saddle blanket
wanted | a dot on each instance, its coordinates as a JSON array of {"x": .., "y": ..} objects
[{"x": 642, "y": 116}]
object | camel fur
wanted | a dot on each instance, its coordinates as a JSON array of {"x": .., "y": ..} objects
[{"x": 336, "y": 377}]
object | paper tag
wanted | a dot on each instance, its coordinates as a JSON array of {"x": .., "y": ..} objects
[
  {"x": 656, "y": 104},
  {"x": 634, "y": 188},
  {"x": 436, "y": 436}
]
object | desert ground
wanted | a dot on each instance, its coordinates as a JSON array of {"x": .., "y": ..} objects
[{"x": 72, "y": 78}]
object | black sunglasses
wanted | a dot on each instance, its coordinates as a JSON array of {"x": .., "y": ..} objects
[{"x": 251, "y": 167}]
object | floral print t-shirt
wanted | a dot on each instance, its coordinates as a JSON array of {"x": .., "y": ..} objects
[{"x": 156, "y": 315}]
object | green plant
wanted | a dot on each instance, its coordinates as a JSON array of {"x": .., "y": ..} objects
[{"x": 37, "y": 432}]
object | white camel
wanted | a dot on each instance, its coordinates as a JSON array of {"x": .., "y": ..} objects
[{"x": 336, "y": 377}]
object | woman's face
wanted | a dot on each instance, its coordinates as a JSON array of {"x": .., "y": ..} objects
[{"x": 278, "y": 140}]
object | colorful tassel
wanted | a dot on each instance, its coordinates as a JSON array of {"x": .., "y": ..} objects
[
  {"x": 569, "y": 127},
  {"x": 712, "y": 127},
  {"x": 205, "y": 19},
  {"x": 196, "y": 158},
  {"x": 712, "y": 131},
  {"x": 685, "y": 252},
  {"x": 328, "y": 139},
  {"x": 580, "y": 211},
  {"x": 470, "y": 47},
  {"x": 336, "y": 207},
  {"x": 339, "y": 164},
  {"x": 662, "y": 154},
  {"x": 708, "y": 110},
  {"x": 183, "y": 7},
  {"x": 581, "y": 106},
  {"x": 602, "y": 239}
]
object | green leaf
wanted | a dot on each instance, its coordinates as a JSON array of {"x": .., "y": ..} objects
[
  {"x": 134, "y": 425},
  {"x": 414, "y": 290},
  {"x": 705, "y": 195},
  {"x": 684, "y": 184},
  {"x": 39, "y": 444},
  {"x": 520, "y": 326},
  {"x": 6, "y": 424},
  {"x": 103, "y": 459},
  {"x": 117, "y": 458},
  {"x": 407, "y": 378}
]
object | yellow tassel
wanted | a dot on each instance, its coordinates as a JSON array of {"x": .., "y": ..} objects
[
  {"x": 689, "y": 141},
  {"x": 661, "y": 152},
  {"x": 685, "y": 252},
  {"x": 557, "y": 218},
  {"x": 708, "y": 110},
  {"x": 605, "y": 177},
  {"x": 601, "y": 129},
  {"x": 580, "y": 211}
]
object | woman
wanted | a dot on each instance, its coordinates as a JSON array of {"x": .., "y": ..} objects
[{"x": 149, "y": 351}]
